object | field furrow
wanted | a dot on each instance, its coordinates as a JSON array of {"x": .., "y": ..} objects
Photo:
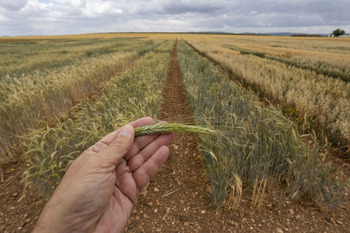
[{"x": 181, "y": 182}]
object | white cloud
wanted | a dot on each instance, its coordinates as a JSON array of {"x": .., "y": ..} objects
[
  {"x": 2, "y": 18},
  {"x": 101, "y": 8}
]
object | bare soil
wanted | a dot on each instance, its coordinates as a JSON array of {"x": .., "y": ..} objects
[
  {"x": 177, "y": 199},
  {"x": 19, "y": 211}
]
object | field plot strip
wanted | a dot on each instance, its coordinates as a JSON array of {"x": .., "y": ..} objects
[
  {"x": 28, "y": 101},
  {"x": 27, "y": 57},
  {"x": 330, "y": 58},
  {"x": 314, "y": 101},
  {"x": 259, "y": 141},
  {"x": 49, "y": 150},
  {"x": 317, "y": 67},
  {"x": 261, "y": 149}
]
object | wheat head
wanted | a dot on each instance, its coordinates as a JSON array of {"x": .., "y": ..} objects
[{"x": 173, "y": 128}]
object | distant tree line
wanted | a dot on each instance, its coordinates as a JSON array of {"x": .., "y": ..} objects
[{"x": 337, "y": 32}]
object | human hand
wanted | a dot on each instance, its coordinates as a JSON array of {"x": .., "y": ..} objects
[{"x": 98, "y": 190}]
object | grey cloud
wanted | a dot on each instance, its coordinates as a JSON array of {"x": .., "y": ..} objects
[
  {"x": 74, "y": 16},
  {"x": 180, "y": 7},
  {"x": 170, "y": 7},
  {"x": 13, "y": 5},
  {"x": 291, "y": 13},
  {"x": 333, "y": 11}
]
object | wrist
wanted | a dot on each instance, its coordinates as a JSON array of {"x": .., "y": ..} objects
[
  {"x": 47, "y": 223},
  {"x": 51, "y": 218}
]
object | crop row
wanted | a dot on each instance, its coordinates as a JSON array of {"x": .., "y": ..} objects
[
  {"x": 134, "y": 94},
  {"x": 327, "y": 57},
  {"x": 321, "y": 101},
  {"x": 25, "y": 102},
  {"x": 260, "y": 149},
  {"x": 30, "y": 56},
  {"x": 318, "y": 67}
]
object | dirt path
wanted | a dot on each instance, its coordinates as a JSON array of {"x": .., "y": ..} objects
[
  {"x": 18, "y": 212},
  {"x": 177, "y": 198}
]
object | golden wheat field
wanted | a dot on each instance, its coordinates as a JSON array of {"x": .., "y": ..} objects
[{"x": 275, "y": 107}]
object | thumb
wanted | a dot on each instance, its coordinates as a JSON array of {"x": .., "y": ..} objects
[{"x": 120, "y": 146}]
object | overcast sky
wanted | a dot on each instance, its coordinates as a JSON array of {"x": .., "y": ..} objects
[{"x": 56, "y": 17}]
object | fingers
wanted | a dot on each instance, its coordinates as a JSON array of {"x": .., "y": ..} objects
[
  {"x": 146, "y": 171},
  {"x": 142, "y": 122},
  {"x": 106, "y": 140},
  {"x": 125, "y": 181},
  {"x": 112, "y": 136},
  {"x": 118, "y": 148},
  {"x": 140, "y": 143},
  {"x": 141, "y": 157}
]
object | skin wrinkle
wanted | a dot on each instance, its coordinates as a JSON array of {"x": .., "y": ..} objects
[
  {"x": 136, "y": 148},
  {"x": 117, "y": 147},
  {"x": 98, "y": 190},
  {"x": 131, "y": 198},
  {"x": 136, "y": 162},
  {"x": 103, "y": 143},
  {"x": 121, "y": 168},
  {"x": 121, "y": 202},
  {"x": 140, "y": 172},
  {"x": 137, "y": 143},
  {"x": 123, "y": 179},
  {"x": 74, "y": 213},
  {"x": 139, "y": 159},
  {"x": 98, "y": 147},
  {"x": 77, "y": 217},
  {"x": 122, "y": 176}
]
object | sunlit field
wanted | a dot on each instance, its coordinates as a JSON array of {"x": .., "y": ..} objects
[{"x": 279, "y": 103}]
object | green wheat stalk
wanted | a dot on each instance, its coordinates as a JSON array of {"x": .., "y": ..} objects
[{"x": 173, "y": 128}]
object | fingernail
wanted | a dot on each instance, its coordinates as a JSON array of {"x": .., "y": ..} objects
[{"x": 125, "y": 130}]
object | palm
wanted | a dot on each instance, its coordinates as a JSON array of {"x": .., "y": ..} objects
[
  {"x": 99, "y": 188},
  {"x": 119, "y": 206},
  {"x": 129, "y": 177}
]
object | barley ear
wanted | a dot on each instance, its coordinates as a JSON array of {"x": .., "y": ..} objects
[{"x": 173, "y": 128}]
